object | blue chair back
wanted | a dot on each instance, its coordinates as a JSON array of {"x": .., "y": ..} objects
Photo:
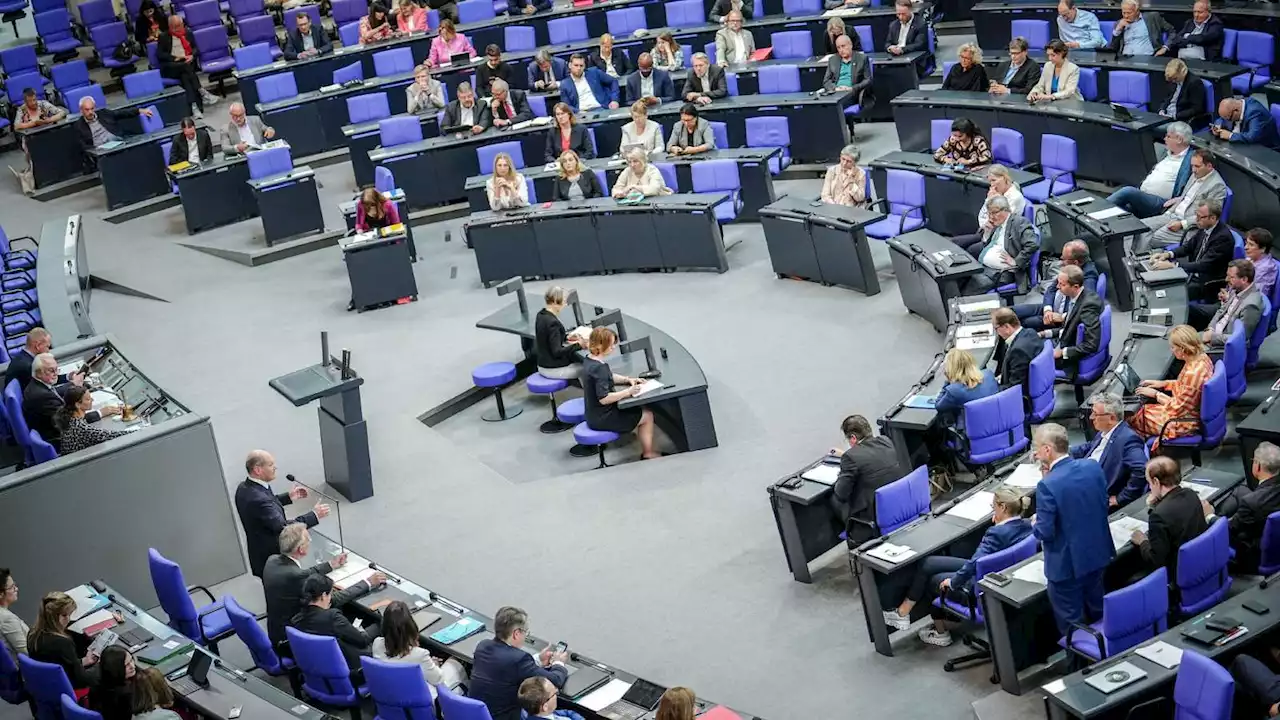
[
  {"x": 904, "y": 191},
  {"x": 567, "y": 29},
  {"x": 473, "y": 11},
  {"x": 1102, "y": 284},
  {"x": 399, "y": 130},
  {"x": 519, "y": 39},
  {"x": 46, "y": 683},
  {"x": 458, "y": 707},
  {"x": 154, "y": 123},
  {"x": 939, "y": 131},
  {"x": 668, "y": 171},
  {"x": 903, "y": 500},
  {"x": 1007, "y": 147},
  {"x": 276, "y": 87},
  {"x": 864, "y": 37},
  {"x": 1092, "y": 366},
  {"x": 365, "y": 108},
  {"x": 719, "y": 131},
  {"x": 1088, "y": 84},
  {"x": 383, "y": 180},
  {"x": 348, "y": 73},
  {"x": 1035, "y": 31},
  {"x": 252, "y": 56},
  {"x": 11, "y": 688},
  {"x": 265, "y": 163},
  {"x": 684, "y": 13},
  {"x": 1202, "y": 569},
  {"x": 69, "y": 75},
  {"x": 1040, "y": 384},
  {"x": 398, "y": 689},
  {"x": 72, "y": 711},
  {"x": 143, "y": 83},
  {"x": 1058, "y": 161},
  {"x": 17, "y": 421},
  {"x": 1204, "y": 689},
  {"x": 538, "y": 104},
  {"x": 325, "y": 675},
  {"x": 1269, "y": 561},
  {"x": 1129, "y": 88},
  {"x": 486, "y": 153},
  {"x": 625, "y": 21},
  {"x": 1136, "y": 613},
  {"x": 1259, "y": 335},
  {"x": 349, "y": 34},
  {"x": 171, "y": 591},
  {"x": 41, "y": 451},
  {"x": 1213, "y": 407},
  {"x": 801, "y": 7},
  {"x": 1233, "y": 361},
  {"x": 996, "y": 426},
  {"x": 20, "y": 58},
  {"x": 94, "y": 91},
  {"x": 715, "y": 176},
  {"x": 393, "y": 62},
  {"x": 348, "y": 11},
  {"x": 792, "y": 44},
  {"x": 777, "y": 79},
  {"x": 254, "y": 637}
]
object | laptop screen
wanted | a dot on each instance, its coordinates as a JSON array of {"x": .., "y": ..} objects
[
  {"x": 1128, "y": 378},
  {"x": 644, "y": 694},
  {"x": 198, "y": 669}
]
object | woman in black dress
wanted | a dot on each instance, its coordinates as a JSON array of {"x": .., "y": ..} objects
[
  {"x": 557, "y": 351},
  {"x": 51, "y": 642},
  {"x": 112, "y": 697},
  {"x": 601, "y": 400}
]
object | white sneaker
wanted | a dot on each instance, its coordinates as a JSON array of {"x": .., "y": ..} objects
[
  {"x": 896, "y": 621},
  {"x": 195, "y": 112},
  {"x": 932, "y": 636},
  {"x": 209, "y": 98}
]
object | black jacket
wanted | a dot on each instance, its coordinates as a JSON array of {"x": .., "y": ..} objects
[
  {"x": 621, "y": 63},
  {"x": 293, "y": 43},
  {"x": 1174, "y": 519},
  {"x": 1190, "y": 108},
  {"x": 332, "y": 623},
  {"x": 112, "y": 703},
  {"x": 164, "y": 48},
  {"x": 1014, "y": 361},
  {"x": 497, "y": 673},
  {"x": 262, "y": 515},
  {"x": 40, "y": 404},
  {"x": 587, "y": 182},
  {"x": 972, "y": 80},
  {"x": 1086, "y": 311},
  {"x": 1023, "y": 80},
  {"x": 1205, "y": 256},
  {"x": 1211, "y": 39},
  {"x": 482, "y": 117},
  {"x": 141, "y": 30},
  {"x": 721, "y": 9},
  {"x": 864, "y": 468},
  {"x": 917, "y": 41},
  {"x": 860, "y": 72},
  {"x": 282, "y": 580},
  {"x": 550, "y": 345},
  {"x": 1248, "y": 521},
  {"x": 715, "y": 85},
  {"x": 65, "y": 652},
  {"x": 19, "y": 368},
  {"x": 519, "y": 103},
  {"x": 110, "y": 120},
  {"x": 579, "y": 142},
  {"x": 486, "y": 75},
  {"x": 178, "y": 151}
]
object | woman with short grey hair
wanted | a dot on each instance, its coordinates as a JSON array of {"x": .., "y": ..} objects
[
  {"x": 556, "y": 351},
  {"x": 846, "y": 183},
  {"x": 968, "y": 75}
]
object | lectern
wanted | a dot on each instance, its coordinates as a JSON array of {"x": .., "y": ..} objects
[{"x": 344, "y": 438}]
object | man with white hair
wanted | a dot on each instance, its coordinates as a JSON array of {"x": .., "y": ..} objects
[
  {"x": 1166, "y": 180},
  {"x": 707, "y": 82},
  {"x": 245, "y": 130},
  {"x": 41, "y": 400},
  {"x": 1138, "y": 33},
  {"x": 508, "y": 106},
  {"x": 97, "y": 126}
]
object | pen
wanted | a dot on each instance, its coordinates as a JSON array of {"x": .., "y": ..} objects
[{"x": 1206, "y": 617}]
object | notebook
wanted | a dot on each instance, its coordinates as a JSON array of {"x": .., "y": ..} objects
[{"x": 463, "y": 628}]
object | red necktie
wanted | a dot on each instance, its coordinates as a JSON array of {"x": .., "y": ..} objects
[{"x": 510, "y": 111}]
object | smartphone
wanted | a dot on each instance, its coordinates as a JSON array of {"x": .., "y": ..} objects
[
  {"x": 560, "y": 647},
  {"x": 235, "y": 712},
  {"x": 1254, "y": 607}
]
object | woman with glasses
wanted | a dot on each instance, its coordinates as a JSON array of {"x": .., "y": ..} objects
[{"x": 12, "y": 628}]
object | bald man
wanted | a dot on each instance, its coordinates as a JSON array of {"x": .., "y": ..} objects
[
  {"x": 244, "y": 130},
  {"x": 262, "y": 511},
  {"x": 97, "y": 126}
]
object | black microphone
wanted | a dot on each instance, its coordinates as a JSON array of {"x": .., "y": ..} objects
[
  {"x": 390, "y": 577},
  {"x": 579, "y": 659},
  {"x": 127, "y": 607},
  {"x": 291, "y": 478},
  {"x": 1267, "y": 405}
]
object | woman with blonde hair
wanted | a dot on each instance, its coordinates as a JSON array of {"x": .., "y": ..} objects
[
  {"x": 953, "y": 577},
  {"x": 965, "y": 383},
  {"x": 677, "y": 703},
  {"x": 51, "y": 642},
  {"x": 836, "y": 28},
  {"x": 152, "y": 698},
  {"x": 846, "y": 182},
  {"x": 641, "y": 131},
  {"x": 968, "y": 75},
  {"x": 999, "y": 182},
  {"x": 601, "y": 400},
  {"x": 1178, "y": 398},
  {"x": 640, "y": 176},
  {"x": 574, "y": 181},
  {"x": 506, "y": 188}
]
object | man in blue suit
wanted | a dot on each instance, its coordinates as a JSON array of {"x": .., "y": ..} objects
[
  {"x": 588, "y": 89},
  {"x": 502, "y": 663},
  {"x": 646, "y": 83},
  {"x": 1053, "y": 307},
  {"x": 1071, "y": 524},
  {"x": 546, "y": 72},
  {"x": 1117, "y": 448},
  {"x": 1245, "y": 120}
]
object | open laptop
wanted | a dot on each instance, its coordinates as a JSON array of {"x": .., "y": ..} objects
[
  {"x": 460, "y": 59},
  {"x": 1130, "y": 380},
  {"x": 196, "y": 675},
  {"x": 1121, "y": 112},
  {"x": 639, "y": 699}
]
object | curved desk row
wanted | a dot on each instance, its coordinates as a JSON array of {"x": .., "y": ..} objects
[
  {"x": 599, "y": 235},
  {"x": 821, "y": 242},
  {"x": 952, "y": 197},
  {"x": 1253, "y": 174},
  {"x": 1071, "y": 216},
  {"x": 753, "y": 172},
  {"x": 433, "y": 171},
  {"x": 315, "y": 121},
  {"x": 1109, "y": 150}
]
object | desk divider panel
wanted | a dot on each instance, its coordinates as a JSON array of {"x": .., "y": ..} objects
[
  {"x": 791, "y": 249},
  {"x": 679, "y": 232},
  {"x": 628, "y": 240},
  {"x": 506, "y": 249},
  {"x": 844, "y": 261},
  {"x": 568, "y": 244}
]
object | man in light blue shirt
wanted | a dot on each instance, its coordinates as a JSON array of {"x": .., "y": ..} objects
[
  {"x": 1078, "y": 28},
  {"x": 1138, "y": 33}
]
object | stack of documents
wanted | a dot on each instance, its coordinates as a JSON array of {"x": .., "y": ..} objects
[
  {"x": 1204, "y": 491},
  {"x": 822, "y": 473},
  {"x": 1108, "y": 213},
  {"x": 965, "y": 331},
  {"x": 842, "y": 11},
  {"x": 979, "y": 306},
  {"x": 889, "y": 552},
  {"x": 1025, "y": 476},
  {"x": 1161, "y": 653},
  {"x": 976, "y": 342},
  {"x": 921, "y": 402},
  {"x": 87, "y": 601},
  {"x": 975, "y": 507},
  {"x": 1032, "y": 572},
  {"x": 1123, "y": 527}
]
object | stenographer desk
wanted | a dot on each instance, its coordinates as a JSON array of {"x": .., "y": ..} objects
[
  {"x": 228, "y": 687},
  {"x": 134, "y": 169},
  {"x": 314, "y": 121},
  {"x": 681, "y": 409},
  {"x": 821, "y": 242},
  {"x": 1253, "y": 174},
  {"x": 807, "y": 524},
  {"x": 952, "y": 197},
  {"x": 931, "y": 271},
  {"x": 1069, "y": 218},
  {"x": 753, "y": 171},
  {"x": 289, "y": 204},
  {"x": 598, "y": 235},
  {"x": 1218, "y": 74},
  {"x": 1107, "y": 149},
  {"x": 216, "y": 193}
]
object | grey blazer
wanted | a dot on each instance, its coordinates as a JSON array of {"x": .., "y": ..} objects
[
  {"x": 724, "y": 47},
  {"x": 701, "y": 135},
  {"x": 231, "y": 134},
  {"x": 1248, "y": 311},
  {"x": 1211, "y": 188},
  {"x": 1021, "y": 243}
]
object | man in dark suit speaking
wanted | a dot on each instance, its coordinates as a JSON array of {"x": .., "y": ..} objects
[
  {"x": 868, "y": 464},
  {"x": 284, "y": 574},
  {"x": 262, "y": 511}
]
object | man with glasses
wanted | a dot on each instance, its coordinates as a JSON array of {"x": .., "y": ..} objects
[
  {"x": 1179, "y": 212},
  {"x": 245, "y": 131},
  {"x": 734, "y": 45},
  {"x": 1117, "y": 448},
  {"x": 1203, "y": 253},
  {"x": 1018, "y": 74},
  {"x": 1201, "y": 37},
  {"x": 503, "y": 663}
]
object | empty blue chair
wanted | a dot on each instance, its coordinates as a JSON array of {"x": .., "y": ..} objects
[
  {"x": 1204, "y": 689},
  {"x": 995, "y": 428},
  {"x": 710, "y": 50},
  {"x": 903, "y": 200},
  {"x": 1129, "y": 88},
  {"x": 567, "y": 29},
  {"x": 11, "y": 688},
  {"x": 154, "y": 62},
  {"x": 365, "y": 108},
  {"x": 1091, "y": 367},
  {"x": 20, "y": 59},
  {"x": 207, "y": 624},
  {"x": 939, "y": 131},
  {"x": 801, "y": 7},
  {"x": 94, "y": 91},
  {"x": 1233, "y": 353},
  {"x": 1058, "y": 164},
  {"x": 255, "y": 639},
  {"x": 141, "y": 84},
  {"x": 258, "y": 30},
  {"x": 771, "y": 131},
  {"x": 56, "y": 33},
  {"x": 348, "y": 11},
  {"x": 474, "y": 11},
  {"x": 718, "y": 176},
  {"x": 18, "y": 425},
  {"x": 1213, "y": 416},
  {"x": 1088, "y": 84},
  {"x": 1040, "y": 378},
  {"x": 1007, "y": 147},
  {"x": 202, "y": 14},
  {"x": 348, "y": 73},
  {"x": 1202, "y": 570},
  {"x": 518, "y": 39},
  {"x": 792, "y": 44},
  {"x": 276, "y": 87},
  {"x": 622, "y": 23},
  {"x": 864, "y": 37},
  {"x": 496, "y": 375},
  {"x": 1035, "y": 31},
  {"x": 538, "y": 104},
  {"x": 241, "y": 10},
  {"x": 668, "y": 172},
  {"x": 326, "y": 678},
  {"x": 1130, "y": 615},
  {"x": 684, "y": 13},
  {"x": 486, "y": 153},
  {"x": 383, "y": 180},
  {"x": 1259, "y": 335},
  {"x": 155, "y": 123},
  {"x": 72, "y": 711},
  {"x": 349, "y": 34},
  {"x": 777, "y": 79},
  {"x": 539, "y": 384},
  {"x": 398, "y": 689},
  {"x": 96, "y": 12},
  {"x": 393, "y": 62},
  {"x": 1269, "y": 559},
  {"x": 268, "y": 163},
  {"x": 1255, "y": 51},
  {"x": 971, "y": 611},
  {"x": 1102, "y": 286},
  {"x": 41, "y": 451},
  {"x": 11, "y": 11},
  {"x": 901, "y": 501},
  {"x": 46, "y": 683},
  {"x": 253, "y": 56},
  {"x": 458, "y": 707}
]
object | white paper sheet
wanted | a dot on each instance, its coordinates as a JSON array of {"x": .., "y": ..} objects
[
  {"x": 1108, "y": 213},
  {"x": 354, "y": 578},
  {"x": 1054, "y": 687},
  {"x": 1032, "y": 572},
  {"x": 823, "y": 473},
  {"x": 1025, "y": 476},
  {"x": 842, "y": 12},
  {"x": 355, "y": 564},
  {"x": 1157, "y": 312},
  {"x": 965, "y": 331},
  {"x": 87, "y": 600},
  {"x": 978, "y": 306},
  {"x": 607, "y": 695},
  {"x": 1161, "y": 653},
  {"x": 975, "y": 343},
  {"x": 1204, "y": 491},
  {"x": 649, "y": 386},
  {"x": 90, "y": 620},
  {"x": 1122, "y": 528},
  {"x": 975, "y": 507},
  {"x": 889, "y": 552}
]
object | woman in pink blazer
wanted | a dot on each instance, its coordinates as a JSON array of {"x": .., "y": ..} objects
[{"x": 448, "y": 43}]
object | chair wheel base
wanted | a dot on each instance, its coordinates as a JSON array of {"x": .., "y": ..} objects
[
  {"x": 582, "y": 451},
  {"x": 495, "y": 416},
  {"x": 551, "y": 427}
]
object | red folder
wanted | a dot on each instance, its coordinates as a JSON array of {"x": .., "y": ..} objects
[
  {"x": 583, "y": 3},
  {"x": 762, "y": 54}
]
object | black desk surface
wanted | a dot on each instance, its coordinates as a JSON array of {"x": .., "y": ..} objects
[
  {"x": 1229, "y": 7},
  {"x": 1069, "y": 109},
  {"x": 925, "y": 164},
  {"x": 1261, "y": 162},
  {"x": 615, "y": 163},
  {"x": 129, "y": 142},
  {"x": 680, "y": 201},
  {"x": 252, "y": 74},
  {"x": 679, "y": 369},
  {"x": 1070, "y": 205},
  {"x": 933, "y": 379},
  {"x": 826, "y": 211},
  {"x": 1203, "y": 69},
  {"x": 297, "y": 173},
  {"x": 369, "y": 85},
  {"x": 1021, "y": 593},
  {"x": 219, "y": 161}
]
